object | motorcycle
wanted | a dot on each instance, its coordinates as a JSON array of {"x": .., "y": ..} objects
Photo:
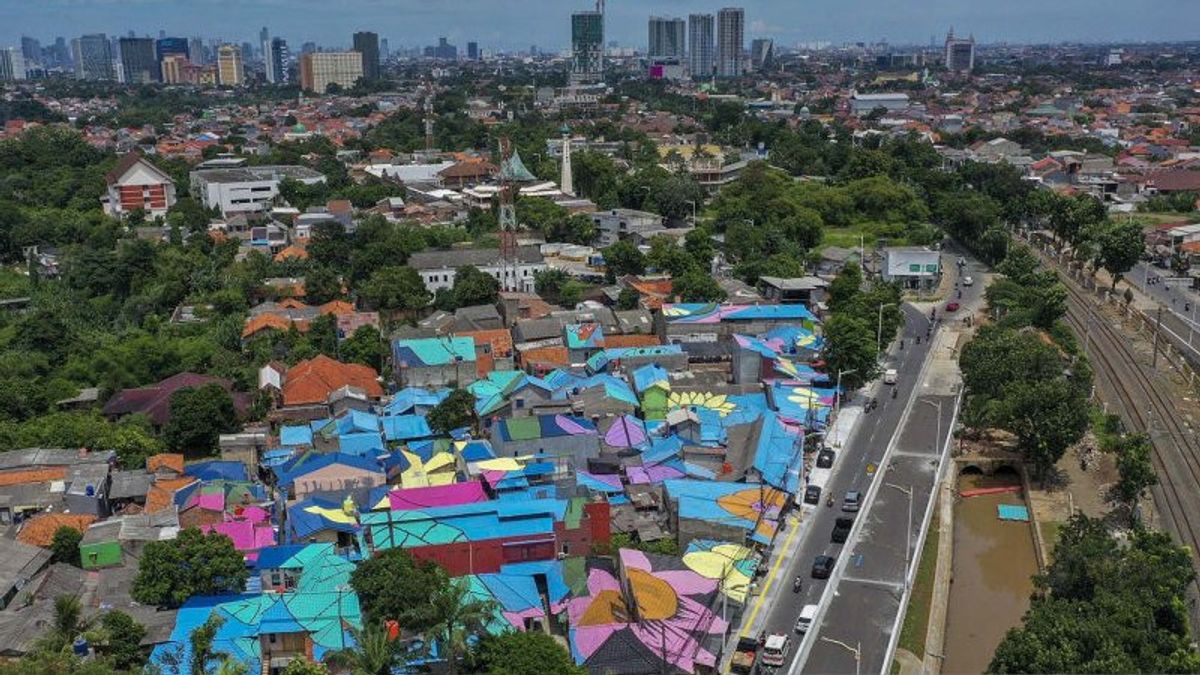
[
  {"x": 829, "y": 501},
  {"x": 796, "y": 585},
  {"x": 893, "y": 392}
]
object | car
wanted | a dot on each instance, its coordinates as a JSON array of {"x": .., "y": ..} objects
[
  {"x": 890, "y": 375},
  {"x": 823, "y": 566},
  {"x": 841, "y": 530},
  {"x": 951, "y": 306},
  {"x": 852, "y": 501},
  {"x": 806, "y": 619},
  {"x": 812, "y": 494},
  {"x": 825, "y": 458},
  {"x": 968, "y": 281}
]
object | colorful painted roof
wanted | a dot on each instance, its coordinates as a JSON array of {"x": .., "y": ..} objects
[
  {"x": 716, "y": 313},
  {"x": 584, "y": 335},
  {"x": 433, "y": 351},
  {"x": 434, "y": 496},
  {"x": 309, "y": 516},
  {"x": 542, "y": 426},
  {"x": 406, "y": 400},
  {"x": 650, "y": 375},
  {"x": 312, "y": 461},
  {"x": 748, "y": 507},
  {"x": 463, "y": 522}
]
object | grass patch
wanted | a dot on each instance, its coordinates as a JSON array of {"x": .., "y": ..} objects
[
  {"x": 1050, "y": 530},
  {"x": 1106, "y": 428},
  {"x": 916, "y": 619}
]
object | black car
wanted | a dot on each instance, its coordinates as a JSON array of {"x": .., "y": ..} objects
[
  {"x": 841, "y": 530},
  {"x": 812, "y": 494},
  {"x": 825, "y": 459},
  {"x": 823, "y": 566}
]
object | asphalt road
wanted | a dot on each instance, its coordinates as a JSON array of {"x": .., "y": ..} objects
[
  {"x": 1181, "y": 307},
  {"x": 853, "y": 470}
]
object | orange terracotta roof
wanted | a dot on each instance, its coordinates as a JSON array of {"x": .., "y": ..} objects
[
  {"x": 500, "y": 345},
  {"x": 612, "y": 341},
  {"x": 652, "y": 287},
  {"x": 313, "y": 380},
  {"x": 39, "y": 530},
  {"x": 31, "y": 476},
  {"x": 336, "y": 307},
  {"x": 264, "y": 321},
  {"x": 555, "y": 356},
  {"x": 292, "y": 252},
  {"x": 167, "y": 460},
  {"x": 162, "y": 494},
  {"x": 291, "y": 303}
]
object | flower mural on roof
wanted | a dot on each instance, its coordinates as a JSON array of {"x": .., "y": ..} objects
[
  {"x": 719, "y": 403},
  {"x": 732, "y": 565}
]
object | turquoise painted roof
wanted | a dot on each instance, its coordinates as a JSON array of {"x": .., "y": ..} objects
[
  {"x": 434, "y": 351},
  {"x": 514, "y": 169}
]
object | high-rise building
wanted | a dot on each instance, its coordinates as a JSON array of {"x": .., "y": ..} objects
[
  {"x": 196, "y": 51},
  {"x": 12, "y": 65},
  {"x": 731, "y": 38},
  {"x": 31, "y": 50},
  {"x": 277, "y": 60},
  {"x": 264, "y": 41},
  {"x": 960, "y": 53},
  {"x": 587, "y": 47},
  {"x": 473, "y": 51},
  {"x": 367, "y": 44},
  {"x": 62, "y": 53},
  {"x": 173, "y": 68},
  {"x": 318, "y": 70},
  {"x": 668, "y": 37},
  {"x": 700, "y": 41},
  {"x": 762, "y": 53},
  {"x": 137, "y": 60},
  {"x": 230, "y": 72},
  {"x": 176, "y": 46},
  {"x": 442, "y": 50},
  {"x": 93, "y": 57},
  {"x": 308, "y": 48},
  {"x": 384, "y": 51}
]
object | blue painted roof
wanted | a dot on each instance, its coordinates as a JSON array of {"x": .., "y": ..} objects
[
  {"x": 217, "y": 469},
  {"x": 405, "y": 400},
  {"x": 434, "y": 351},
  {"x": 293, "y": 436},
  {"x": 364, "y": 444},
  {"x": 406, "y": 428},
  {"x": 275, "y": 557},
  {"x": 311, "y": 461}
]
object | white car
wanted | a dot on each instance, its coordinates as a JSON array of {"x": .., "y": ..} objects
[
  {"x": 806, "y": 619},
  {"x": 890, "y": 375},
  {"x": 968, "y": 281}
]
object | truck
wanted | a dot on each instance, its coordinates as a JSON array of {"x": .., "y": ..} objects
[
  {"x": 744, "y": 655},
  {"x": 775, "y": 651}
]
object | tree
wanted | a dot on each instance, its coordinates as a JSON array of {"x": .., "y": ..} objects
[
  {"x": 472, "y": 287},
  {"x": 65, "y": 545},
  {"x": 393, "y": 586},
  {"x": 1121, "y": 245},
  {"x": 455, "y": 412},
  {"x": 198, "y": 417},
  {"x": 623, "y": 258},
  {"x": 365, "y": 346},
  {"x": 628, "y": 299},
  {"x": 68, "y": 624},
  {"x": 697, "y": 286},
  {"x": 303, "y": 666},
  {"x": 525, "y": 653},
  {"x": 845, "y": 287},
  {"x": 1047, "y": 417},
  {"x": 549, "y": 283},
  {"x": 193, "y": 563},
  {"x": 330, "y": 246},
  {"x": 457, "y": 615},
  {"x": 322, "y": 284},
  {"x": 123, "y": 640},
  {"x": 373, "y": 654},
  {"x": 850, "y": 348},
  {"x": 1135, "y": 468},
  {"x": 698, "y": 244},
  {"x": 395, "y": 288}
]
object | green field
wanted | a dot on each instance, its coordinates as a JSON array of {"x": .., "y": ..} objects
[{"x": 916, "y": 619}]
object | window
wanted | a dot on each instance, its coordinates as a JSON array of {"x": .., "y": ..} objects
[
  {"x": 566, "y": 548},
  {"x": 916, "y": 268},
  {"x": 520, "y": 403}
]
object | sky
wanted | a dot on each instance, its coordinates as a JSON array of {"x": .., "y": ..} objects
[{"x": 496, "y": 24}]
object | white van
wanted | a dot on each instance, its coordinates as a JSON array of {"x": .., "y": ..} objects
[
  {"x": 890, "y": 375},
  {"x": 806, "y": 619}
]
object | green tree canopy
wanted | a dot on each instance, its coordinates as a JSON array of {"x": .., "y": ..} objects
[
  {"x": 395, "y": 288},
  {"x": 392, "y": 586},
  {"x": 65, "y": 545},
  {"x": 525, "y": 653},
  {"x": 455, "y": 412},
  {"x": 194, "y": 563},
  {"x": 198, "y": 417}
]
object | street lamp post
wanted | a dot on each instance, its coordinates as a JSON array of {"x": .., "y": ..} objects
[
  {"x": 879, "y": 327},
  {"x": 908, "y": 532},
  {"x": 693, "y": 203},
  {"x": 837, "y": 395},
  {"x": 938, "y": 405},
  {"x": 856, "y": 651}
]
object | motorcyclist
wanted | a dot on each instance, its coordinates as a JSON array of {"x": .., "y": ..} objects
[{"x": 796, "y": 584}]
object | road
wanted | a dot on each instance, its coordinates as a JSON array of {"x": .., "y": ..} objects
[{"x": 882, "y": 546}]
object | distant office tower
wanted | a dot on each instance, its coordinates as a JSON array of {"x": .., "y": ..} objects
[
  {"x": 229, "y": 66},
  {"x": 442, "y": 50},
  {"x": 762, "y": 53},
  {"x": 62, "y": 53},
  {"x": 700, "y": 41},
  {"x": 318, "y": 70},
  {"x": 264, "y": 42},
  {"x": 667, "y": 38},
  {"x": 173, "y": 68},
  {"x": 960, "y": 53},
  {"x": 93, "y": 57},
  {"x": 731, "y": 38},
  {"x": 473, "y": 51},
  {"x": 196, "y": 52},
  {"x": 384, "y": 51},
  {"x": 367, "y": 44},
  {"x": 308, "y": 48},
  {"x": 169, "y": 46},
  {"x": 278, "y": 58},
  {"x": 587, "y": 47},
  {"x": 12, "y": 65},
  {"x": 137, "y": 60},
  {"x": 31, "y": 50}
]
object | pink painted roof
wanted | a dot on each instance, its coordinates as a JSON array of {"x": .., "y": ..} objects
[
  {"x": 246, "y": 536},
  {"x": 439, "y": 495}
]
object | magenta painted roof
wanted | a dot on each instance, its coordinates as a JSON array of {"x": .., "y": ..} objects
[{"x": 439, "y": 495}]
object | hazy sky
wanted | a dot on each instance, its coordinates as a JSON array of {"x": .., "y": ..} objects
[{"x": 520, "y": 23}]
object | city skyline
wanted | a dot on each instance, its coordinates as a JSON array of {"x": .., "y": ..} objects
[{"x": 412, "y": 24}]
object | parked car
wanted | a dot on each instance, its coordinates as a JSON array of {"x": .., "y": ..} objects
[
  {"x": 852, "y": 501},
  {"x": 812, "y": 494},
  {"x": 823, "y": 566},
  {"x": 951, "y": 306},
  {"x": 825, "y": 458},
  {"x": 841, "y": 529},
  {"x": 890, "y": 375}
]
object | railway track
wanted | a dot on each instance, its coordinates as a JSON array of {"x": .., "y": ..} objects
[{"x": 1176, "y": 453}]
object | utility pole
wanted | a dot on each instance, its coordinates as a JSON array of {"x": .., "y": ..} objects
[{"x": 1157, "y": 330}]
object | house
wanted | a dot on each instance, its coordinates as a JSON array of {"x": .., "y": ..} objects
[
  {"x": 154, "y": 401},
  {"x": 438, "y": 268},
  {"x": 704, "y": 509},
  {"x": 312, "y": 381},
  {"x": 37, "y": 480},
  {"x": 912, "y": 267},
  {"x": 19, "y": 563},
  {"x": 333, "y": 472},
  {"x": 435, "y": 362},
  {"x": 569, "y": 441},
  {"x": 247, "y": 188},
  {"x": 808, "y": 291},
  {"x": 685, "y": 323},
  {"x": 616, "y": 224},
  {"x": 135, "y": 184},
  {"x": 493, "y": 350}
]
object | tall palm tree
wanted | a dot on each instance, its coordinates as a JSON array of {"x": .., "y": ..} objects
[
  {"x": 456, "y": 613},
  {"x": 68, "y": 624},
  {"x": 374, "y": 653}
]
